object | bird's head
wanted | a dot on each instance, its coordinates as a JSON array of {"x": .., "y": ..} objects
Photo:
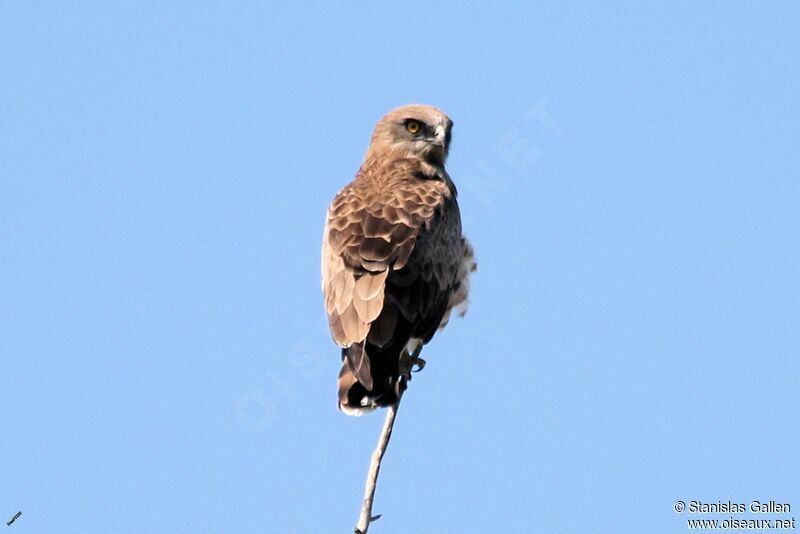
[{"x": 416, "y": 131}]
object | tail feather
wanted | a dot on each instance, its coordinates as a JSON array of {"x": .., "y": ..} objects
[
  {"x": 358, "y": 361},
  {"x": 368, "y": 379}
]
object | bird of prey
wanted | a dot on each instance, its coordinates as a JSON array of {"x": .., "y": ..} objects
[{"x": 394, "y": 261}]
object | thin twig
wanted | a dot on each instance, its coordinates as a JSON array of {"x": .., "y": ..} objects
[{"x": 366, "y": 516}]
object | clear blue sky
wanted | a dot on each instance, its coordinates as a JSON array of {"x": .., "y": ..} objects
[{"x": 629, "y": 175}]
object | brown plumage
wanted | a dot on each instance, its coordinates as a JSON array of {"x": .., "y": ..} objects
[{"x": 394, "y": 262}]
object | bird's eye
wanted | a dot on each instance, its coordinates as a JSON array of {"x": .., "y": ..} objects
[{"x": 413, "y": 126}]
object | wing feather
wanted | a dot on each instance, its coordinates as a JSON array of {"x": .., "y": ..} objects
[
  {"x": 369, "y": 286},
  {"x": 372, "y": 230}
]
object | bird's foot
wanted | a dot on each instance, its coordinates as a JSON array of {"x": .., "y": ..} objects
[
  {"x": 411, "y": 363},
  {"x": 405, "y": 368}
]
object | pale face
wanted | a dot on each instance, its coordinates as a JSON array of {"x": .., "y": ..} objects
[{"x": 422, "y": 131}]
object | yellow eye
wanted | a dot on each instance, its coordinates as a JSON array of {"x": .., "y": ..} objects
[{"x": 412, "y": 126}]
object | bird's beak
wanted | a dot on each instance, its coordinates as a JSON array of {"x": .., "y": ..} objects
[{"x": 439, "y": 136}]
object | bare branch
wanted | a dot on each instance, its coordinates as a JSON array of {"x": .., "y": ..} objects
[
  {"x": 366, "y": 516},
  {"x": 405, "y": 367}
]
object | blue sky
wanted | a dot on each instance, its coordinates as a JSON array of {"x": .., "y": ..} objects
[{"x": 629, "y": 176}]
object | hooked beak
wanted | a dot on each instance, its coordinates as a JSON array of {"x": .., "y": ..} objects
[{"x": 439, "y": 136}]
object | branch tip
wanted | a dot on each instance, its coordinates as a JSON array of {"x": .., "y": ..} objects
[{"x": 366, "y": 517}]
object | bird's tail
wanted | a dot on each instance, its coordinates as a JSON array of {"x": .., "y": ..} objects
[{"x": 368, "y": 380}]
